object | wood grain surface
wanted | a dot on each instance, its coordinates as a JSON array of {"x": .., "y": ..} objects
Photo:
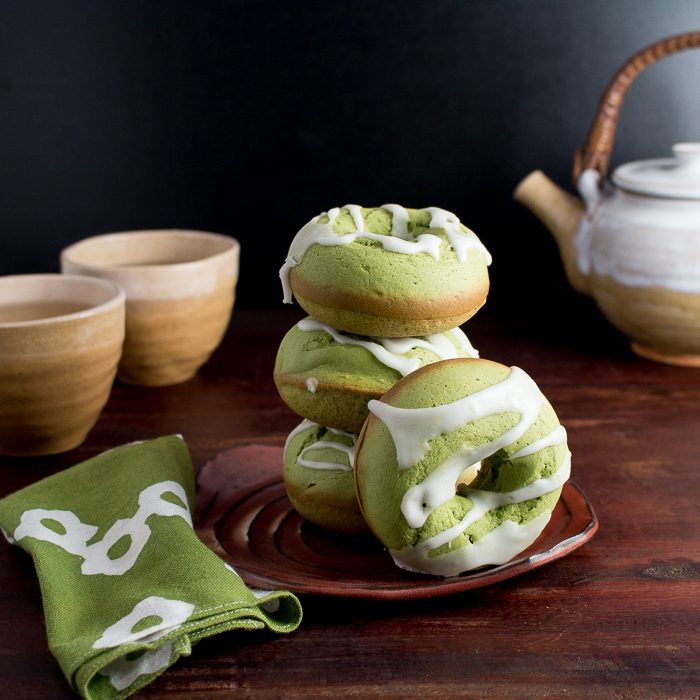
[{"x": 617, "y": 618}]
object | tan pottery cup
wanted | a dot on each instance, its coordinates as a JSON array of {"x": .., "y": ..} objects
[
  {"x": 60, "y": 341},
  {"x": 180, "y": 289}
]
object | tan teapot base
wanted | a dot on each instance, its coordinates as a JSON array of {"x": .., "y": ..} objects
[
  {"x": 656, "y": 356},
  {"x": 662, "y": 322}
]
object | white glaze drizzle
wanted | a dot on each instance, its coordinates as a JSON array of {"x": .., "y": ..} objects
[
  {"x": 391, "y": 351},
  {"x": 556, "y": 437},
  {"x": 464, "y": 342},
  {"x": 312, "y": 384},
  {"x": 482, "y": 503},
  {"x": 461, "y": 242},
  {"x": 349, "y": 450},
  {"x": 437, "y": 343},
  {"x": 399, "y": 241},
  {"x": 304, "y": 425},
  {"x": 399, "y": 221},
  {"x": 497, "y": 547},
  {"x": 356, "y": 212},
  {"x": 411, "y": 429}
]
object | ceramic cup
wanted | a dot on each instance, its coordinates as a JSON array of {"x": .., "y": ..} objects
[
  {"x": 60, "y": 341},
  {"x": 180, "y": 289}
]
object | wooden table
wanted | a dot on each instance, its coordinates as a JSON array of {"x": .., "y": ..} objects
[{"x": 618, "y": 618}]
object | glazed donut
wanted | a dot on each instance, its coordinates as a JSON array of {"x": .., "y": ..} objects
[
  {"x": 388, "y": 272},
  {"x": 429, "y": 428},
  {"x": 328, "y": 376},
  {"x": 318, "y": 474}
]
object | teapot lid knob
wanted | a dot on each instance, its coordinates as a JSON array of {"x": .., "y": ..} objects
[
  {"x": 674, "y": 178},
  {"x": 687, "y": 155}
]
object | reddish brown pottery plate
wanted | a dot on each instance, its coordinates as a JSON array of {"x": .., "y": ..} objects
[{"x": 243, "y": 514}]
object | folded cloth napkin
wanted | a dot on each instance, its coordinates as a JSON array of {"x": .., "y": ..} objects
[{"x": 126, "y": 584}]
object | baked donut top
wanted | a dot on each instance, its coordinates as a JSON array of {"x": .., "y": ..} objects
[
  {"x": 394, "y": 352},
  {"x": 397, "y": 230},
  {"x": 341, "y": 441}
]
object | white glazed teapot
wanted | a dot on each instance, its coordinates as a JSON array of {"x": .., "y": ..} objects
[{"x": 633, "y": 245}]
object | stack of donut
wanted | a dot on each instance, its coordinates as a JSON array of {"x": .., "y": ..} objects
[{"x": 451, "y": 461}]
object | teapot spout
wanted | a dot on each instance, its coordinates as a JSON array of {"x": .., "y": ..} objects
[{"x": 561, "y": 213}]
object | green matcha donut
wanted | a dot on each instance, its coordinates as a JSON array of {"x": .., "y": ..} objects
[
  {"x": 318, "y": 474},
  {"x": 426, "y": 431},
  {"x": 389, "y": 272},
  {"x": 328, "y": 376}
]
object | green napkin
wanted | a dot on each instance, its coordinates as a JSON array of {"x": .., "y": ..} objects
[{"x": 127, "y": 586}]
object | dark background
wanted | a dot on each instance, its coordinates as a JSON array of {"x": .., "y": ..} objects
[{"x": 248, "y": 118}]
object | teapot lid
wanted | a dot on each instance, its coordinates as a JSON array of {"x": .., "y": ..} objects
[{"x": 674, "y": 178}]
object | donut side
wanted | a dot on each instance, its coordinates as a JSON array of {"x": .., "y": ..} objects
[
  {"x": 329, "y": 377},
  {"x": 344, "y": 408},
  {"x": 426, "y": 533},
  {"x": 354, "y": 321},
  {"x": 323, "y": 493}
]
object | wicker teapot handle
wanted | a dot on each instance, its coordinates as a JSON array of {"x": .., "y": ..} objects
[{"x": 596, "y": 153}]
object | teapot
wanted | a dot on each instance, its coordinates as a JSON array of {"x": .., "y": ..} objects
[{"x": 633, "y": 244}]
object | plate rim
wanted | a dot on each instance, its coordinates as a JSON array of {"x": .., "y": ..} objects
[{"x": 398, "y": 590}]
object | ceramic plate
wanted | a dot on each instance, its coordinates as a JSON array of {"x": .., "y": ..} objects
[{"x": 243, "y": 514}]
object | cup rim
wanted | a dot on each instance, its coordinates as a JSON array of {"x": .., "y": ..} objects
[
  {"x": 234, "y": 247},
  {"x": 118, "y": 299}
]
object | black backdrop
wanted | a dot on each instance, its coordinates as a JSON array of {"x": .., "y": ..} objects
[{"x": 248, "y": 118}]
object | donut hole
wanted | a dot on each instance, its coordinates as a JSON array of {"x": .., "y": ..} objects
[{"x": 467, "y": 477}]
